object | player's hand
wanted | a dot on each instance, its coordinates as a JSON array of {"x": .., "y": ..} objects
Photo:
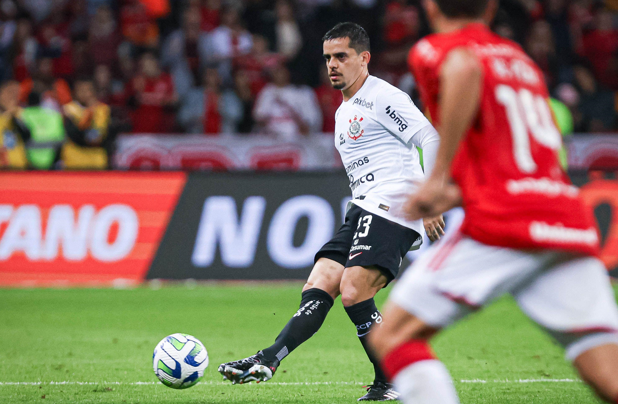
[
  {"x": 434, "y": 226},
  {"x": 432, "y": 199}
]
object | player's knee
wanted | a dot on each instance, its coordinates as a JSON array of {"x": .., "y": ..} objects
[
  {"x": 326, "y": 276},
  {"x": 350, "y": 295},
  {"x": 323, "y": 284}
]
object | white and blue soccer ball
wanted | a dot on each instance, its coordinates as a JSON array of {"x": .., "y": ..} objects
[{"x": 179, "y": 361}]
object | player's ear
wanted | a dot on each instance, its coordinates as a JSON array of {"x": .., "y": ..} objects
[{"x": 366, "y": 56}]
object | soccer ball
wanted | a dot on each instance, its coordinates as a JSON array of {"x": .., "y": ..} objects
[{"x": 179, "y": 361}]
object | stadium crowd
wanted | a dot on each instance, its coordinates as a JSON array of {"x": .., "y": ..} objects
[{"x": 77, "y": 72}]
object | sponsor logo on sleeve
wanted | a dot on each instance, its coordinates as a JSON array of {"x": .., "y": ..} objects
[{"x": 399, "y": 120}]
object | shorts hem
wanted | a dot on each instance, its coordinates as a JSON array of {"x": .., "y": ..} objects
[{"x": 331, "y": 255}]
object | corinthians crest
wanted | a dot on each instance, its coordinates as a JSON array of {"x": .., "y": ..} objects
[{"x": 355, "y": 131}]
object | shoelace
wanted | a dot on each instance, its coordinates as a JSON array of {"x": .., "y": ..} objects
[
  {"x": 251, "y": 359},
  {"x": 377, "y": 385}
]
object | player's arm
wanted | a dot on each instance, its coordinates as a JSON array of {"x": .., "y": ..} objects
[
  {"x": 460, "y": 93},
  {"x": 428, "y": 139},
  {"x": 398, "y": 114}
]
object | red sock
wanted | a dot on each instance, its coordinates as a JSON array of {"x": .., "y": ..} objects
[{"x": 404, "y": 355}]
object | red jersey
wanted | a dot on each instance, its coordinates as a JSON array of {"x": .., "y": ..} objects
[
  {"x": 515, "y": 194},
  {"x": 150, "y": 115}
]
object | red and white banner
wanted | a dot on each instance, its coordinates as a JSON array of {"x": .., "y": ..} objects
[
  {"x": 87, "y": 228},
  {"x": 225, "y": 152},
  {"x": 593, "y": 152}
]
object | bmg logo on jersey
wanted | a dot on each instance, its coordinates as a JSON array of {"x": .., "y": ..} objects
[
  {"x": 394, "y": 115},
  {"x": 361, "y": 102},
  {"x": 355, "y": 131}
]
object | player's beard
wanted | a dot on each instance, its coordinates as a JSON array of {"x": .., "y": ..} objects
[{"x": 338, "y": 86}]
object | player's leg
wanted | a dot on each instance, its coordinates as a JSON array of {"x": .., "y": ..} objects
[
  {"x": 598, "y": 367},
  {"x": 402, "y": 346},
  {"x": 378, "y": 247},
  {"x": 454, "y": 278},
  {"x": 574, "y": 301},
  {"x": 319, "y": 293},
  {"x": 317, "y": 298},
  {"x": 359, "y": 285}
]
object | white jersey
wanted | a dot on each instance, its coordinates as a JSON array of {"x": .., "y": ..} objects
[{"x": 376, "y": 133}]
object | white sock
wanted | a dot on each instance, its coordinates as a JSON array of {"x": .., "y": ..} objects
[{"x": 426, "y": 382}]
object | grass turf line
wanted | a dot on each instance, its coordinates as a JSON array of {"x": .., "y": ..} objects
[{"x": 105, "y": 337}]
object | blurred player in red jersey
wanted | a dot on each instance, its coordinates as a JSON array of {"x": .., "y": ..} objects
[{"x": 526, "y": 230}]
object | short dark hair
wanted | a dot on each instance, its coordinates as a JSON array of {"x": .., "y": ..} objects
[
  {"x": 462, "y": 8},
  {"x": 359, "y": 40}
]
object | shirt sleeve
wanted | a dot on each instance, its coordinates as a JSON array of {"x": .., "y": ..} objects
[
  {"x": 397, "y": 113},
  {"x": 427, "y": 138}
]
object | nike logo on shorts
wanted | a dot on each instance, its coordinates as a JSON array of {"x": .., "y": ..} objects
[{"x": 352, "y": 256}]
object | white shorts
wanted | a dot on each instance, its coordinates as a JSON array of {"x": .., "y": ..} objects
[{"x": 568, "y": 296}]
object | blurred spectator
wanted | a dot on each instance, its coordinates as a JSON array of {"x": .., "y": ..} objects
[
  {"x": 184, "y": 52},
  {"x": 557, "y": 16},
  {"x": 401, "y": 30},
  {"x": 596, "y": 112},
  {"x": 45, "y": 43},
  {"x": 47, "y": 133},
  {"x": 209, "y": 109},
  {"x": 126, "y": 63},
  {"x": 137, "y": 26},
  {"x": 228, "y": 42},
  {"x": 93, "y": 5},
  {"x": 258, "y": 62},
  {"x": 289, "y": 39},
  {"x": 40, "y": 9},
  {"x": 103, "y": 38},
  {"x": 152, "y": 95},
  {"x": 79, "y": 20},
  {"x": 540, "y": 46},
  {"x": 53, "y": 92},
  {"x": 209, "y": 12},
  {"x": 8, "y": 27},
  {"x": 82, "y": 62},
  {"x": 24, "y": 50},
  {"x": 285, "y": 110},
  {"x": 330, "y": 99},
  {"x": 87, "y": 122},
  {"x": 156, "y": 8},
  {"x": 13, "y": 132},
  {"x": 244, "y": 93},
  {"x": 600, "y": 46},
  {"x": 108, "y": 90},
  {"x": 55, "y": 42}
]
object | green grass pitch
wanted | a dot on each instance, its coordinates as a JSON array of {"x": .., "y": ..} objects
[{"x": 95, "y": 346}]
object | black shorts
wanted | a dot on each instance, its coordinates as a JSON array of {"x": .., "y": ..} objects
[{"x": 368, "y": 240}]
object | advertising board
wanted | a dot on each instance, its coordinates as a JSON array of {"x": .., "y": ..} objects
[
  {"x": 82, "y": 228},
  {"x": 120, "y": 228},
  {"x": 251, "y": 226}
]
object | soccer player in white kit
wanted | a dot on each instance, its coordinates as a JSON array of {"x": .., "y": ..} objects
[{"x": 378, "y": 128}]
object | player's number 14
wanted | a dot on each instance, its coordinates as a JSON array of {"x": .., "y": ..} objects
[{"x": 528, "y": 113}]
